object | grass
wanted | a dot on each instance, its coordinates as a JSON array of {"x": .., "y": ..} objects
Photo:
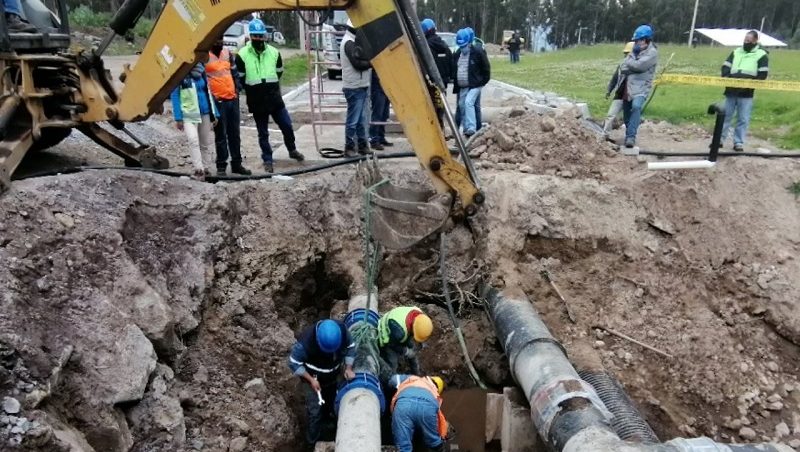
[
  {"x": 582, "y": 73},
  {"x": 794, "y": 189},
  {"x": 295, "y": 71}
]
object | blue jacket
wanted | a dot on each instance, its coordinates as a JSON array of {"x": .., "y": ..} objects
[
  {"x": 307, "y": 357},
  {"x": 417, "y": 393},
  {"x": 204, "y": 100}
]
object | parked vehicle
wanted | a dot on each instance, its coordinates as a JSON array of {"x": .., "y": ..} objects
[
  {"x": 236, "y": 36},
  {"x": 335, "y": 28}
]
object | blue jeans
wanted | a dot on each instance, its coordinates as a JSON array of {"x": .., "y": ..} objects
[
  {"x": 468, "y": 103},
  {"x": 284, "y": 122},
  {"x": 380, "y": 110},
  {"x": 415, "y": 415},
  {"x": 13, "y": 7},
  {"x": 742, "y": 105},
  {"x": 632, "y": 112},
  {"x": 354, "y": 129},
  {"x": 228, "y": 140},
  {"x": 514, "y": 54}
]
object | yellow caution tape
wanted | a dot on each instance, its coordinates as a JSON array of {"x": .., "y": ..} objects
[{"x": 727, "y": 82}]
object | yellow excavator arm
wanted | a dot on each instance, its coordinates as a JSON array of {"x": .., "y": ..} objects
[{"x": 186, "y": 29}]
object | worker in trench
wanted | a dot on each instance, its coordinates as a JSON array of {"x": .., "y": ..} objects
[
  {"x": 417, "y": 418},
  {"x": 399, "y": 333},
  {"x": 317, "y": 358}
]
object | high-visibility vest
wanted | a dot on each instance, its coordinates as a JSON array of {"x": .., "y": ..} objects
[
  {"x": 747, "y": 62},
  {"x": 220, "y": 78},
  {"x": 260, "y": 68},
  {"x": 399, "y": 315},
  {"x": 427, "y": 384}
]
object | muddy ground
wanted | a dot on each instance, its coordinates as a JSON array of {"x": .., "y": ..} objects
[{"x": 143, "y": 312}]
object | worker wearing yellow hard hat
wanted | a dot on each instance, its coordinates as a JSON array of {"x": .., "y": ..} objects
[
  {"x": 417, "y": 412},
  {"x": 399, "y": 331}
]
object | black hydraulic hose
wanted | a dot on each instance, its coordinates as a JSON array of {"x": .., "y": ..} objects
[
  {"x": 627, "y": 421},
  {"x": 792, "y": 155},
  {"x": 235, "y": 178}
]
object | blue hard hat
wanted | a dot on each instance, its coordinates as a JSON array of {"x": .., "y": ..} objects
[
  {"x": 463, "y": 38},
  {"x": 329, "y": 336},
  {"x": 427, "y": 25},
  {"x": 256, "y": 27},
  {"x": 471, "y": 34},
  {"x": 643, "y": 32}
]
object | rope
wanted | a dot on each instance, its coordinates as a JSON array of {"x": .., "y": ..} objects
[
  {"x": 372, "y": 250},
  {"x": 459, "y": 334}
]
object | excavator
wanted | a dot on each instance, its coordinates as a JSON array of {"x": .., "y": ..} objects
[{"x": 48, "y": 90}]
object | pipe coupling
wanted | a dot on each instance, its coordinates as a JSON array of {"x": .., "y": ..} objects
[
  {"x": 363, "y": 380},
  {"x": 546, "y": 402}
]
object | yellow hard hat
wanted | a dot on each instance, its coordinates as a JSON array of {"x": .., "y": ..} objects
[
  {"x": 628, "y": 47},
  {"x": 423, "y": 327},
  {"x": 439, "y": 383}
]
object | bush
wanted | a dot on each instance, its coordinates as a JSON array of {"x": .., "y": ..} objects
[
  {"x": 143, "y": 27},
  {"x": 83, "y": 16}
]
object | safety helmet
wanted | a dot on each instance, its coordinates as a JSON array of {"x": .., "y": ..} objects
[
  {"x": 643, "y": 32},
  {"x": 423, "y": 327},
  {"x": 256, "y": 27},
  {"x": 628, "y": 47},
  {"x": 427, "y": 25},
  {"x": 329, "y": 336},
  {"x": 439, "y": 383},
  {"x": 471, "y": 34},
  {"x": 463, "y": 38}
]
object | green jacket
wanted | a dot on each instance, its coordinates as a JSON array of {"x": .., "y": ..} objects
[
  {"x": 743, "y": 64},
  {"x": 392, "y": 328}
]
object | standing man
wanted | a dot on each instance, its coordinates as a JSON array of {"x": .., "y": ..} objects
[
  {"x": 195, "y": 114},
  {"x": 260, "y": 67},
  {"x": 380, "y": 113},
  {"x": 14, "y": 20},
  {"x": 749, "y": 61},
  {"x": 617, "y": 86},
  {"x": 417, "y": 409},
  {"x": 317, "y": 358},
  {"x": 399, "y": 331},
  {"x": 443, "y": 58},
  {"x": 471, "y": 73},
  {"x": 639, "y": 68},
  {"x": 514, "y": 44},
  {"x": 223, "y": 80},
  {"x": 356, "y": 75}
]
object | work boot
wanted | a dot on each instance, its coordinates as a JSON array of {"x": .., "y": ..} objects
[
  {"x": 629, "y": 142},
  {"x": 386, "y": 143},
  {"x": 222, "y": 172},
  {"x": 17, "y": 24},
  {"x": 239, "y": 169},
  {"x": 268, "y": 167},
  {"x": 350, "y": 152},
  {"x": 738, "y": 147},
  {"x": 364, "y": 149},
  {"x": 376, "y": 146},
  {"x": 296, "y": 155}
]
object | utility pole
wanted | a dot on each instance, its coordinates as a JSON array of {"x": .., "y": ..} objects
[
  {"x": 694, "y": 20},
  {"x": 761, "y": 30}
]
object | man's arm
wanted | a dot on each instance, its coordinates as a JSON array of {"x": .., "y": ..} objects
[
  {"x": 487, "y": 67},
  {"x": 763, "y": 67},
  {"x": 241, "y": 70},
  {"x": 613, "y": 82},
  {"x": 297, "y": 360},
  {"x": 235, "y": 74},
  {"x": 177, "y": 113},
  {"x": 645, "y": 62},
  {"x": 727, "y": 65},
  {"x": 349, "y": 356},
  {"x": 397, "y": 379}
]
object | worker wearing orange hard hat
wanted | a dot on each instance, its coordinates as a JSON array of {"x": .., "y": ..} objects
[{"x": 399, "y": 330}]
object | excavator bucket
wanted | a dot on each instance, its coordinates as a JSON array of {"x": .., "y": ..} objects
[{"x": 400, "y": 217}]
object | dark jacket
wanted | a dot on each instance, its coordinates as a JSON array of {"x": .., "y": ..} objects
[
  {"x": 306, "y": 355},
  {"x": 264, "y": 98},
  {"x": 763, "y": 72},
  {"x": 617, "y": 85},
  {"x": 514, "y": 44},
  {"x": 442, "y": 55},
  {"x": 480, "y": 71}
]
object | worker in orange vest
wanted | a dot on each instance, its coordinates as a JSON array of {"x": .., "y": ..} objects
[
  {"x": 417, "y": 409},
  {"x": 223, "y": 80}
]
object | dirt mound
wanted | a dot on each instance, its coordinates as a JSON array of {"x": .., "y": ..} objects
[{"x": 558, "y": 145}]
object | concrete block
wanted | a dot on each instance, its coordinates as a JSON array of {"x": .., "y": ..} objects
[
  {"x": 583, "y": 107},
  {"x": 518, "y": 433},
  {"x": 494, "y": 416}
]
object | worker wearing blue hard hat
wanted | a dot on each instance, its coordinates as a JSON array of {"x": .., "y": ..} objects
[
  {"x": 471, "y": 72},
  {"x": 639, "y": 68},
  {"x": 317, "y": 358},
  {"x": 443, "y": 57}
]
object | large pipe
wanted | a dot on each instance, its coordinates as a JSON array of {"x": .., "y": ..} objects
[
  {"x": 689, "y": 164},
  {"x": 566, "y": 411},
  {"x": 360, "y": 402}
]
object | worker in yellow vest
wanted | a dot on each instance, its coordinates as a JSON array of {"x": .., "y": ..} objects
[
  {"x": 223, "y": 80},
  {"x": 399, "y": 331},
  {"x": 417, "y": 413},
  {"x": 749, "y": 61}
]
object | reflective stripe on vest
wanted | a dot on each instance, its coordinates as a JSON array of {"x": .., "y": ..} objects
[
  {"x": 260, "y": 68},
  {"x": 220, "y": 78},
  {"x": 398, "y": 315},
  {"x": 747, "y": 62},
  {"x": 315, "y": 368},
  {"x": 427, "y": 384}
]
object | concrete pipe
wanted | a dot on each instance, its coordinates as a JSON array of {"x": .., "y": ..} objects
[{"x": 566, "y": 411}]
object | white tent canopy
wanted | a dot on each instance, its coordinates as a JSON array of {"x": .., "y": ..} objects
[{"x": 733, "y": 37}]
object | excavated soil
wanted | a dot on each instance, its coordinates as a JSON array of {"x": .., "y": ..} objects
[{"x": 142, "y": 312}]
